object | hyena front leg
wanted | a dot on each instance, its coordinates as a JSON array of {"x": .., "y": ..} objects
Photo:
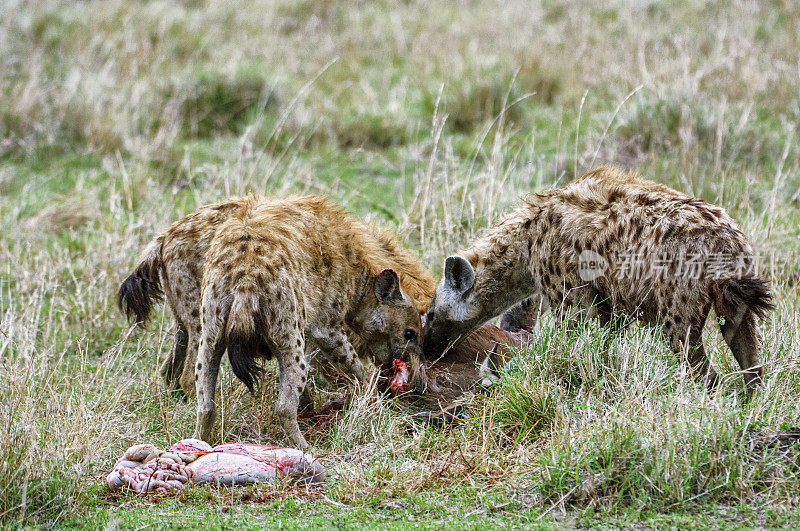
[
  {"x": 173, "y": 364},
  {"x": 209, "y": 356},
  {"x": 293, "y": 377},
  {"x": 575, "y": 308},
  {"x": 687, "y": 341},
  {"x": 336, "y": 347},
  {"x": 616, "y": 324}
]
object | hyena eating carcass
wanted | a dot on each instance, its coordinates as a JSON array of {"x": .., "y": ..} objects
[
  {"x": 287, "y": 272},
  {"x": 172, "y": 265},
  {"x": 617, "y": 246}
]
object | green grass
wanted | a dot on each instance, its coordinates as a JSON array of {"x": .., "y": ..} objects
[
  {"x": 118, "y": 117},
  {"x": 464, "y": 510}
]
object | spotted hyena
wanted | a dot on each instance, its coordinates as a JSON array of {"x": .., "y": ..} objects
[
  {"x": 616, "y": 246},
  {"x": 286, "y": 273},
  {"x": 172, "y": 265}
]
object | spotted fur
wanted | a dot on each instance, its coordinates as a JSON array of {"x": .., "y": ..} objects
[
  {"x": 290, "y": 273},
  {"x": 537, "y": 251},
  {"x": 171, "y": 266}
]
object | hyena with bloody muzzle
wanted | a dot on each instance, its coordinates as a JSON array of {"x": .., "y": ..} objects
[
  {"x": 171, "y": 266},
  {"x": 618, "y": 247},
  {"x": 285, "y": 273}
]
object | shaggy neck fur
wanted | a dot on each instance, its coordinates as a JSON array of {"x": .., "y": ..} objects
[{"x": 501, "y": 260}]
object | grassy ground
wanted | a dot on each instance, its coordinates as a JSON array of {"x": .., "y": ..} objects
[{"x": 117, "y": 117}]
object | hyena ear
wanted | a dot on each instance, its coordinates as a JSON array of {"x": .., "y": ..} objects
[
  {"x": 458, "y": 274},
  {"x": 387, "y": 287}
]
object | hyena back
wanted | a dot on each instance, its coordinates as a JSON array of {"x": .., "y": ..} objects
[
  {"x": 171, "y": 266},
  {"x": 578, "y": 246},
  {"x": 289, "y": 272}
]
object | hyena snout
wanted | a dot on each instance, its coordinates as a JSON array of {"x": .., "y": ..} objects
[{"x": 442, "y": 335}]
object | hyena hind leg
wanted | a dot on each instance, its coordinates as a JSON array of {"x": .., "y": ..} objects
[
  {"x": 209, "y": 356},
  {"x": 186, "y": 380},
  {"x": 744, "y": 339},
  {"x": 173, "y": 365},
  {"x": 293, "y": 375}
]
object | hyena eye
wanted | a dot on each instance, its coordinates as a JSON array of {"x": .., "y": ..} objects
[{"x": 410, "y": 334}]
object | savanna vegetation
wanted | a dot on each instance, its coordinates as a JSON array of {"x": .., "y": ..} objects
[{"x": 117, "y": 117}]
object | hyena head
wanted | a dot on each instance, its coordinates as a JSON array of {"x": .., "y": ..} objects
[
  {"x": 391, "y": 327},
  {"x": 454, "y": 310}
]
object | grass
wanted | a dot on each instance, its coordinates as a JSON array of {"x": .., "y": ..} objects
[{"x": 118, "y": 117}]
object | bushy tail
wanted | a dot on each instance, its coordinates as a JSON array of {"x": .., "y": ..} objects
[
  {"x": 733, "y": 296},
  {"x": 244, "y": 339},
  {"x": 142, "y": 288}
]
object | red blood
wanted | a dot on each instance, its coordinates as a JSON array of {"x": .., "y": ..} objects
[{"x": 399, "y": 378}]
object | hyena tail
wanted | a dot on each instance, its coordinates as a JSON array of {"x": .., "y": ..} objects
[
  {"x": 739, "y": 302},
  {"x": 142, "y": 288},
  {"x": 733, "y": 297},
  {"x": 244, "y": 339}
]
